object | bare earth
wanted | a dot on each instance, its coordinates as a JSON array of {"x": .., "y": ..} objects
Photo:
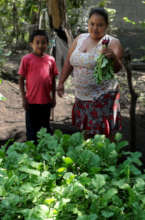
[{"x": 12, "y": 115}]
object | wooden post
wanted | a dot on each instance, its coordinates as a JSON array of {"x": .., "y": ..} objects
[{"x": 134, "y": 96}]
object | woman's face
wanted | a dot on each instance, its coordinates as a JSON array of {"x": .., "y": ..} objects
[{"x": 97, "y": 26}]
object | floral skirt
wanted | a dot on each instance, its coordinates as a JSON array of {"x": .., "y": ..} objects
[{"x": 101, "y": 116}]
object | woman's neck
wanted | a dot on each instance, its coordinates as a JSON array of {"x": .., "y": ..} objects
[{"x": 96, "y": 40}]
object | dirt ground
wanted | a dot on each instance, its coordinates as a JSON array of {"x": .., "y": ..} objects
[
  {"x": 12, "y": 122},
  {"x": 12, "y": 115}
]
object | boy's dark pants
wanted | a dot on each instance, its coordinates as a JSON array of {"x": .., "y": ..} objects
[{"x": 37, "y": 116}]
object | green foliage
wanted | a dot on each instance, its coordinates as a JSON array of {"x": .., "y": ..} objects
[
  {"x": 140, "y": 24},
  {"x": 126, "y": 19},
  {"x": 74, "y": 11},
  {"x": 103, "y": 3},
  {"x": 77, "y": 14},
  {"x": 75, "y": 3},
  {"x": 2, "y": 98},
  {"x": 103, "y": 69},
  {"x": 3, "y": 53},
  {"x": 17, "y": 17},
  {"x": 66, "y": 177}
]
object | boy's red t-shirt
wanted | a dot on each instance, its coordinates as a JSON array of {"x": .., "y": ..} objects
[{"x": 39, "y": 73}]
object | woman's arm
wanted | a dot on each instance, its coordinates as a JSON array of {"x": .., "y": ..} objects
[
  {"x": 53, "y": 92},
  {"x": 115, "y": 52},
  {"x": 66, "y": 70}
]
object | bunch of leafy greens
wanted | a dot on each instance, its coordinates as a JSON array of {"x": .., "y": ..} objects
[
  {"x": 104, "y": 67},
  {"x": 66, "y": 177}
]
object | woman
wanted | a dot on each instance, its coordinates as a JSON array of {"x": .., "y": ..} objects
[{"x": 96, "y": 109}]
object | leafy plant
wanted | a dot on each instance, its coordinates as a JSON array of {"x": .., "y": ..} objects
[
  {"x": 104, "y": 67},
  {"x": 66, "y": 177}
]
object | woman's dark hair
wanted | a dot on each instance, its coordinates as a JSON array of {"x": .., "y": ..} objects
[
  {"x": 100, "y": 11},
  {"x": 40, "y": 33}
]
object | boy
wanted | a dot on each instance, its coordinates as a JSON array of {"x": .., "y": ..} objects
[{"x": 39, "y": 70}]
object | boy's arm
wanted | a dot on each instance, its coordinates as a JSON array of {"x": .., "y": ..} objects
[{"x": 22, "y": 90}]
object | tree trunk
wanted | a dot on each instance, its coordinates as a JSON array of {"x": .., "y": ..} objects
[
  {"x": 15, "y": 22},
  {"x": 39, "y": 13},
  {"x": 58, "y": 21}
]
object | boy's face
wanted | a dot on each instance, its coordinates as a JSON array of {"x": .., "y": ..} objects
[{"x": 39, "y": 45}]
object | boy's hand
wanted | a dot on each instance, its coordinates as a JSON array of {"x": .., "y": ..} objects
[{"x": 25, "y": 104}]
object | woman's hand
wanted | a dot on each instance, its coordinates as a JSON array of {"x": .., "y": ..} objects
[
  {"x": 108, "y": 52},
  {"x": 115, "y": 52},
  {"x": 60, "y": 90}
]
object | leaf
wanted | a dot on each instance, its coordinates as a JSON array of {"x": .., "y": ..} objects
[
  {"x": 65, "y": 142},
  {"x": 26, "y": 188},
  {"x": 118, "y": 136},
  {"x": 84, "y": 179},
  {"x": 67, "y": 160},
  {"x": 134, "y": 170},
  {"x": 103, "y": 69},
  {"x": 2, "y": 191},
  {"x": 121, "y": 144},
  {"x": 88, "y": 217},
  {"x": 143, "y": 199},
  {"x": 61, "y": 169},
  {"x": 8, "y": 54},
  {"x": 107, "y": 214},
  {"x": 109, "y": 194},
  {"x": 35, "y": 165},
  {"x": 49, "y": 201},
  {"x": 76, "y": 139},
  {"x": 2, "y": 98},
  {"x": 140, "y": 184},
  {"x": 46, "y": 157},
  {"x": 94, "y": 162},
  {"x": 58, "y": 134},
  {"x": 104, "y": 63},
  {"x": 11, "y": 201},
  {"x": 98, "y": 181},
  {"x": 122, "y": 184},
  {"x": 69, "y": 177},
  {"x": 126, "y": 19},
  {"x": 29, "y": 171}
]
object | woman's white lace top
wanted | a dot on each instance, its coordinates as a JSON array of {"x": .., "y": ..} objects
[{"x": 83, "y": 67}]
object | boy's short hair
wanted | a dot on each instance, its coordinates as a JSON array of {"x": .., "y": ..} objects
[{"x": 38, "y": 32}]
